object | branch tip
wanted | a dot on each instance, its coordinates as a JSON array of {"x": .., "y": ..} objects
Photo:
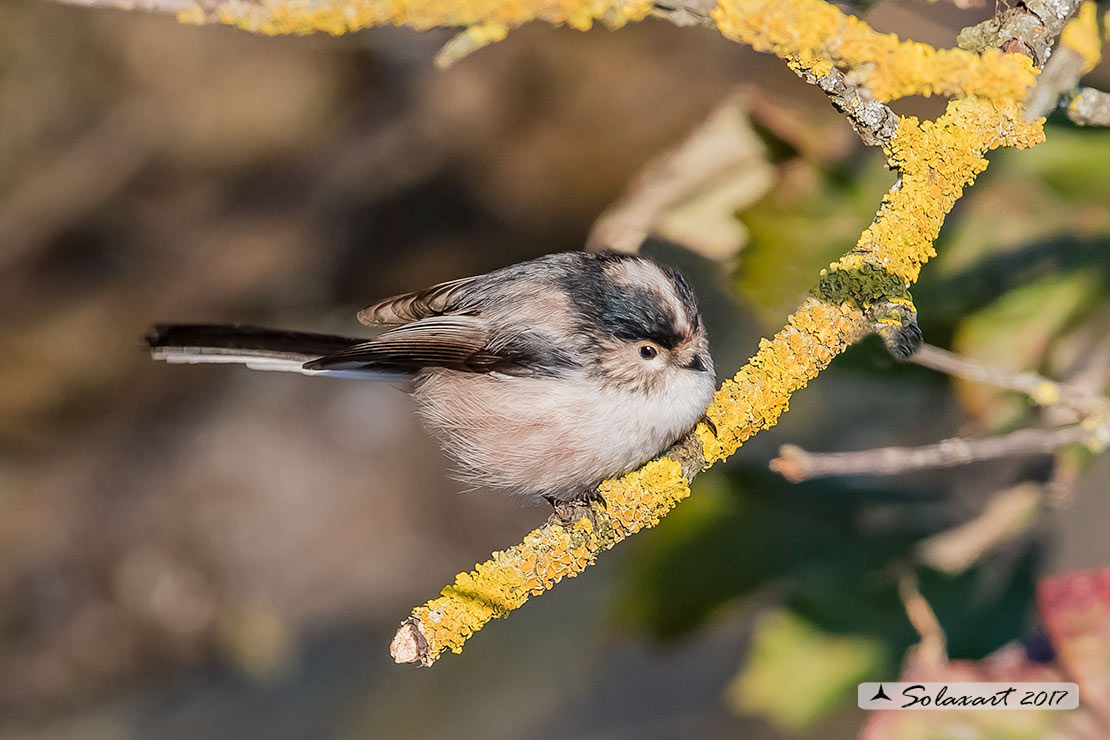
[{"x": 409, "y": 644}]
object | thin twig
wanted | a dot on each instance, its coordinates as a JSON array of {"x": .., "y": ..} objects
[
  {"x": 1090, "y": 107},
  {"x": 933, "y": 647},
  {"x": 1028, "y": 28},
  {"x": 796, "y": 464},
  {"x": 152, "y": 6},
  {"x": 1039, "y": 388},
  {"x": 1078, "y": 52},
  {"x": 875, "y": 122},
  {"x": 685, "y": 12},
  {"x": 1061, "y": 73},
  {"x": 1007, "y": 514}
]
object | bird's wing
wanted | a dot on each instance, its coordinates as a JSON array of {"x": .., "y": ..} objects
[
  {"x": 456, "y": 342},
  {"x": 421, "y": 304}
]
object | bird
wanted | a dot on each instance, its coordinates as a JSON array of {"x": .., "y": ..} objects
[{"x": 540, "y": 379}]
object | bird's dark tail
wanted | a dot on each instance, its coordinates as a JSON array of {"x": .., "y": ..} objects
[{"x": 257, "y": 348}]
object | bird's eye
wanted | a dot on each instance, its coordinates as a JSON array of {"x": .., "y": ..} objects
[{"x": 648, "y": 351}]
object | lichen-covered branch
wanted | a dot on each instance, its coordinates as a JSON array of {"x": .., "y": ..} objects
[
  {"x": 1089, "y": 107},
  {"x": 817, "y": 36},
  {"x": 1079, "y": 51},
  {"x": 561, "y": 548},
  {"x": 865, "y": 288},
  {"x": 1030, "y": 28}
]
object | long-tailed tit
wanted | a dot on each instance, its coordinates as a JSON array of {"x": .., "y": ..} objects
[{"x": 542, "y": 378}]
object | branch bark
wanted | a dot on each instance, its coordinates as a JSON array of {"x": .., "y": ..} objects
[
  {"x": 1040, "y": 389},
  {"x": 875, "y": 122},
  {"x": 1007, "y": 514},
  {"x": 1030, "y": 28},
  {"x": 1079, "y": 51},
  {"x": 1089, "y": 107},
  {"x": 796, "y": 465}
]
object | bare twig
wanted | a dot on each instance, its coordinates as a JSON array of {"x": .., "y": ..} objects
[
  {"x": 1090, "y": 107},
  {"x": 796, "y": 464},
  {"x": 875, "y": 122},
  {"x": 1079, "y": 51},
  {"x": 1029, "y": 28},
  {"x": 1007, "y": 514},
  {"x": 1061, "y": 73},
  {"x": 685, "y": 12},
  {"x": 152, "y": 6},
  {"x": 933, "y": 647},
  {"x": 1039, "y": 388}
]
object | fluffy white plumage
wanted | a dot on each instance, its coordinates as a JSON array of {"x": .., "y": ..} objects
[
  {"x": 554, "y": 435},
  {"x": 542, "y": 378}
]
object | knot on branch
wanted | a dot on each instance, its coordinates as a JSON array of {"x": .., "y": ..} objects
[
  {"x": 884, "y": 299},
  {"x": 1029, "y": 28}
]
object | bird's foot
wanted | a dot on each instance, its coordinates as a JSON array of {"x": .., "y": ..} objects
[
  {"x": 896, "y": 323},
  {"x": 574, "y": 508}
]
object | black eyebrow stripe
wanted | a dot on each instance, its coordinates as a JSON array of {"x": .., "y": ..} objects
[
  {"x": 667, "y": 340},
  {"x": 629, "y": 312},
  {"x": 632, "y": 331}
]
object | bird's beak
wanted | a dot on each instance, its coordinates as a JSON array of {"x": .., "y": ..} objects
[{"x": 697, "y": 364}]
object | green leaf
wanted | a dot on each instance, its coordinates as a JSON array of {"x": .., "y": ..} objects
[{"x": 797, "y": 674}]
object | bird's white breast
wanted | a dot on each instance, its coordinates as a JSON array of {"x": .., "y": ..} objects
[{"x": 554, "y": 436}]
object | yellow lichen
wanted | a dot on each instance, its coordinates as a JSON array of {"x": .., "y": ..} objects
[
  {"x": 548, "y": 555},
  {"x": 1046, "y": 393},
  {"x": 814, "y": 35},
  {"x": 1081, "y": 36},
  {"x": 485, "y": 20},
  {"x": 937, "y": 160},
  {"x": 760, "y": 392}
]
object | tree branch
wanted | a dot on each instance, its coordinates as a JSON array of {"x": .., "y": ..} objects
[
  {"x": 1030, "y": 28},
  {"x": 1007, "y": 514},
  {"x": 1089, "y": 107},
  {"x": 1079, "y": 51},
  {"x": 875, "y": 122},
  {"x": 1040, "y": 389},
  {"x": 932, "y": 648},
  {"x": 572, "y": 538},
  {"x": 796, "y": 465}
]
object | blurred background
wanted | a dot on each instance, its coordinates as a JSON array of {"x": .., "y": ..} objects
[{"x": 208, "y": 552}]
